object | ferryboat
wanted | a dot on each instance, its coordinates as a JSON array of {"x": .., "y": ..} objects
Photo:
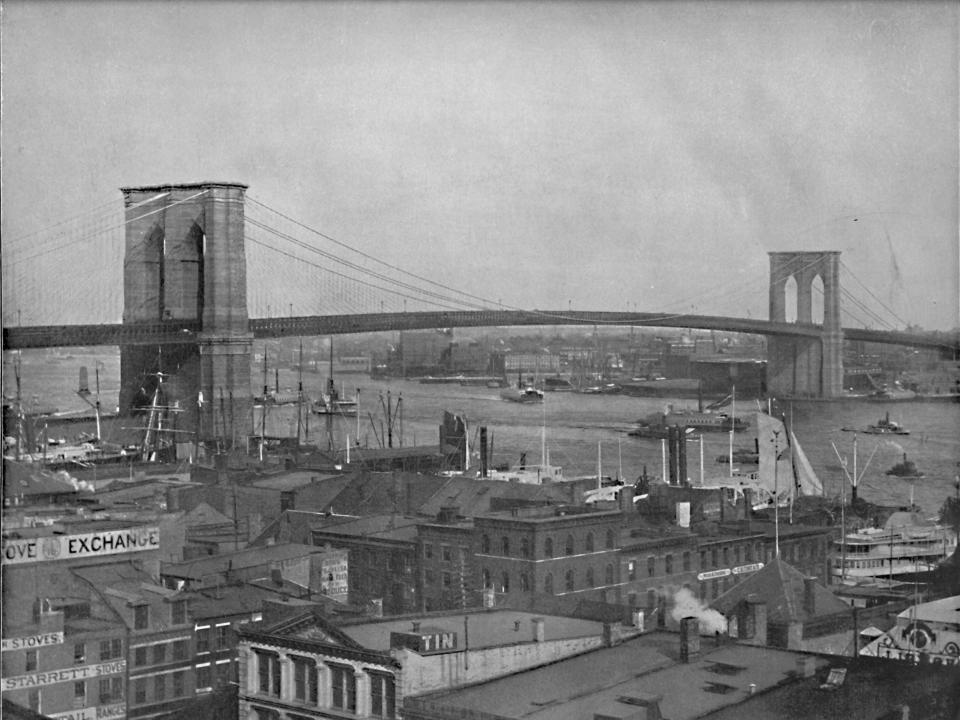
[
  {"x": 522, "y": 393},
  {"x": 886, "y": 426},
  {"x": 906, "y": 469},
  {"x": 907, "y": 549}
]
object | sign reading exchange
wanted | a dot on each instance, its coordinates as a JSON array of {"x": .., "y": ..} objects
[{"x": 66, "y": 547}]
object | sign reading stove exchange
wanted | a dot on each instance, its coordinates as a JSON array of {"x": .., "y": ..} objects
[{"x": 67, "y": 547}]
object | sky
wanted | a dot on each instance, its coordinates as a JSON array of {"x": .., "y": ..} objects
[{"x": 584, "y": 155}]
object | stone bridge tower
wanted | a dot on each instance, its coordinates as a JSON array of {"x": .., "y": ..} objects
[
  {"x": 798, "y": 366},
  {"x": 185, "y": 264}
]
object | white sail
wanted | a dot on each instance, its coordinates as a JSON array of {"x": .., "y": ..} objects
[
  {"x": 807, "y": 482},
  {"x": 775, "y": 471}
]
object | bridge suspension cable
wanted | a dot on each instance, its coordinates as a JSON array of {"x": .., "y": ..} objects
[{"x": 899, "y": 319}]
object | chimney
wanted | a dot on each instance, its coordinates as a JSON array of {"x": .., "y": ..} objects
[
  {"x": 483, "y": 451},
  {"x": 806, "y": 666},
  {"x": 538, "y": 634},
  {"x": 416, "y": 626},
  {"x": 625, "y": 499},
  {"x": 809, "y": 596},
  {"x": 689, "y": 639},
  {"x": 276, "y": 577}
]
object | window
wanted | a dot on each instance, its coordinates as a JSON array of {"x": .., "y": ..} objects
[
  {"x": 268, "y": 673},
  {"x": 632, "y": 569},
  {"x": 525, "y": 547},
  {"x": 223, "y": 636},
  {"x": 486, "y": 579},
  {"x": 178, "y": 612},
  {"x": 713, "y": 557},
  {"x": 651, "y": 566},
  {"x": 179, "y": 684},
  {"x": 305, "y": 680},
  {"x": 159, "y": 687},
  {"x": 140, "y": 656},
  {"x": 159, "y": 653},
  {"x": 223, "y": 672},
  {"x": 485, "y": 544},
  {"x": 111, "y": 690},
  {"x": 204, "y": 678},
  {"x": 548, "y": 584},
  {"x": 726, "y": 556},
  {"x": 524, "y": 582},
  {"x": 548, "y": 548},
  {"x": 610, "y": 538},
  {"x": 608, "y": 574},
  {"x": 33, "y": 700},
  {"x": 651, "y": 599},
  {"x": 505, "y": 582},
  {"x": 31, "y": 660},
  {"x": 447, "y": 553},
  {"x": 505, "y": 546},
  {"x": 703, "y": 559},
  {"x": 749, "y": 553},
  {"x": 343, "y": 685},
  {"x": 110, "y": 649},
  {"x": 736, "y": 555},
  {"x": 203, "y": 640},
  {"x": 141, "y": 617},
  {"x": 140, "y": 691},
  {"x": 590, "y": 577},
  {"x": 383, "y": 695},
  {"x": 80, "y": 693},
  {"x": 79, "y": 653},
  {"x": 686, "y": 560},
  {"x": 569, "y": 580},
  {"x": 429, "y": 577},
  {"x": 180, "y": 650},
  {"x": 668, "y": 564},
  {"x": 447, "y": 580},
  {"x": 428, "y": 551},
  {"x": 589, "y": 544},
  {"x": 568, "y": 545}
]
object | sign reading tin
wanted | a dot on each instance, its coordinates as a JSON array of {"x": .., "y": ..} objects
[
  {"x": 427, "y": 642},
  {"x": 66, "y": 547},
  {"x": 32, "y": 641}
]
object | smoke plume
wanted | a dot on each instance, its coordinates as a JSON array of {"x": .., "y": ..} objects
[{"x": 686, "y": 604}]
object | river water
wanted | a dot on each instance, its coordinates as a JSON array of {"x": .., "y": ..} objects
[{"x": 575, "y": 424}]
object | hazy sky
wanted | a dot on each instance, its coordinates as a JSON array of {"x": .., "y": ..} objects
[{"x": 592, "y": 155}]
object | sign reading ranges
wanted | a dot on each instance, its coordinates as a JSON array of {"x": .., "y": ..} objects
[{"x": 67, "y": 547}]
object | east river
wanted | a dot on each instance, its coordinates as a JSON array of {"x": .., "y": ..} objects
[{"x": 575, "y": 424}]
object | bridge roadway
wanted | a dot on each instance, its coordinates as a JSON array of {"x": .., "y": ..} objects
[
  {"x": 170, "y": 332},
  {"x": 185, "y": 331}
]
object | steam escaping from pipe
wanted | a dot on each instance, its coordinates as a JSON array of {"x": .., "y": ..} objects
[
  {"x": 686, "y": 604},
  {"x": 897, "y": 446}
]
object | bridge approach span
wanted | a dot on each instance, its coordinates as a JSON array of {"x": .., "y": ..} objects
[{"x": 178, "y": 332}]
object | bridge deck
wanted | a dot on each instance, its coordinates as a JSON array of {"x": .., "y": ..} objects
[{"x": 173, "y": 332}]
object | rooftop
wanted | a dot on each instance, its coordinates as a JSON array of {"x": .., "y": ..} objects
[
  {"x": 237, "y": 560},
  {"x": 946, "y": 610},
  {"x": 382, "y": 527},
  {"x": 641, "y": 668},
  {"x": 486, "y": 628}
]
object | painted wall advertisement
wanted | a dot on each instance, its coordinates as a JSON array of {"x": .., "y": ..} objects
[{"x": 67, "y": 547}]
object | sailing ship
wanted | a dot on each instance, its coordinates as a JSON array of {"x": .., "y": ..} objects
[{"x": 784, "y": 472}]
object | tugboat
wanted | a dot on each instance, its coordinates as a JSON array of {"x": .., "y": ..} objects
[
  {"x": 905, "y": 469},
  {"x": 886, "y": 426}
]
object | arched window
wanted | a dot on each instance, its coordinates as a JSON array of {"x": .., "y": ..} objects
[
  {"x": 485, "y": 544},
  {"x": 568, "y": 546},
  {"x": 525, "y": 547},
  {"x": 548, "y": 584},
  {"x": 589, "y": 545},
  {"x": 548, "y": 547},
  {"x": 569, "y": 580},
  {"x": 589, "y": 577},
  {"x": 486, "y": 579},
  {"x": 608, "y": 575},
  {"x": 505, "y": 546},
  {"x": 505, "y": 582},
  {"x": 610, "y": 538}
]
